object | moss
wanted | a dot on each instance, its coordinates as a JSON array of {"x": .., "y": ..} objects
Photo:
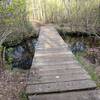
[
  {"x": 23, "y": 95},
  {"x": 1, "y": 48}
]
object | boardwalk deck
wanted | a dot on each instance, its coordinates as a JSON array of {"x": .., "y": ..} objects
[
  {"x": 54, "y": 67},
  {"x": 77, "y": 95}
]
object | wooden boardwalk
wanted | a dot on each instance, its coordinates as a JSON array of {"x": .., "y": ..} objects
[
  {"x": 76, "y": 95},
  {"x": 55, "y": 68}
]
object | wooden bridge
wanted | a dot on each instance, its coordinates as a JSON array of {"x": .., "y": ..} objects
[{"x": 55, "y": 73}]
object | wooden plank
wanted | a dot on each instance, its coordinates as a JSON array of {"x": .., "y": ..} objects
[
  {"x": 53, "y": 49},
  {"x": 53, "y": 54},
  {"x": 50, "y": 49},
  {"x": 55, "y": 57},
  {"x": 39, "y": 47},
  {"x": 34, "y": 79},
  {"x": 48, "y": 38},
  {"x": 52, "y": 67},
  {"x": 60, "y": 87},
  {"x": 80, "y": 95},
  {"x": 54, "y": 63},
  {"x": 53, "y": 42},
  {"x": 57, "y": 71},
  {"x": 53, "y": 60}
]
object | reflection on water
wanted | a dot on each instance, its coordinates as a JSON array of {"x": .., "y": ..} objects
[{"x": 21, "y": 55}]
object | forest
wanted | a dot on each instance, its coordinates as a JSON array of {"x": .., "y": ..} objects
[{"x": 76, "y": 21}]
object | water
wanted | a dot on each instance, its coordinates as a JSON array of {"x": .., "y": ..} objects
[
  {"x": 78, "y": 47},
  {"x": 21, "y": 55}
]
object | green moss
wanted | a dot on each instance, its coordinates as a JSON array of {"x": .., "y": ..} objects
[
  {"x": 23, "y": 95},
  {"x": 1, "y": 48}
]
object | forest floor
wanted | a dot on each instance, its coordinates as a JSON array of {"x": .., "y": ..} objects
[
  {"x": 12, "y": 84},
  {"x": 92, "y": 69}
]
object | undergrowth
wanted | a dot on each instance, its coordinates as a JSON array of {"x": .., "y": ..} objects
[{"x": 88, "y": 67}]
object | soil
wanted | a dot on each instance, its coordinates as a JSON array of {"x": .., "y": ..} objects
[{"x": 12, "y": 84}]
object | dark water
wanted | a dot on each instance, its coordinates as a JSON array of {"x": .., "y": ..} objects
[
  {"x": 78, "y": 47},
  {"x": 88, "y": 46},
  {"x": 21, "y": 55}
]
